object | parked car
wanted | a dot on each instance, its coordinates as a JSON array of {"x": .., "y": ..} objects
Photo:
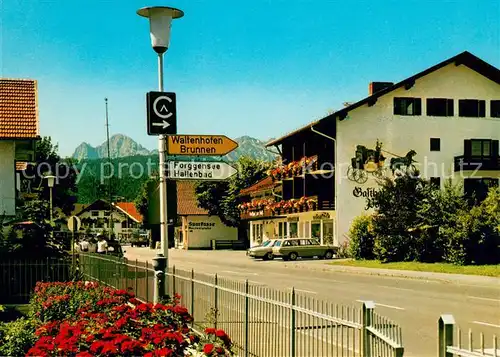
[
  {"x": 292, "y": 248},
  {"x": 140, "y": 240},
  {"x": 263, "y": 251}
]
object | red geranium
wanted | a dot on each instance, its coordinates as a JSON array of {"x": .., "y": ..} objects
[{"x": 208, "y": 348}]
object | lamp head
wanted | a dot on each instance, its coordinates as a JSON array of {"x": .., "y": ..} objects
[
  {"x": 50, "y": 180},
  {"x": 160, "y": 23}
]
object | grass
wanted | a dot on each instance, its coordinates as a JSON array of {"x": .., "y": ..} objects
[{"x": 484, "y": 270}]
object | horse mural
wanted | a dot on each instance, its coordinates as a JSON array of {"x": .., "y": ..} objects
[
  {"x": 372, "y": 161},
  {"x": 366, "y": 161},
  {"x": 406, "y": 161}
]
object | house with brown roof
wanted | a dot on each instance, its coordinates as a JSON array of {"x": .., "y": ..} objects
[
  {"x": 19, "y": 130},
  {"x": 197, "y": 229},
  {"x": 96, "y": 216}
]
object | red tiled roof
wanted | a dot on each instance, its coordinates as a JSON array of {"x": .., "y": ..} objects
[
  {"x": 263, "y": 185},
  {"x": 187, "y": 203},
  {"x": 18, "y": 109},
  {"x": 129, "y": 208}
]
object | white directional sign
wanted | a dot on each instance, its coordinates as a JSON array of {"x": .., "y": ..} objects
[{"x": 199, "y": 170}]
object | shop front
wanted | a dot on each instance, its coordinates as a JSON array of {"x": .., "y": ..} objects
[{"x": 315, "y": 224}]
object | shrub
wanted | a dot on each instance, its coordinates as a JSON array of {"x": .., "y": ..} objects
[
  {"x": 16, "y": 337},
  {"x": 474, "y": 238},
  {"x": 361, "y": 237}
]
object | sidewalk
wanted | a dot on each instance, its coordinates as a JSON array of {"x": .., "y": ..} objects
[{"x": 460, "y": 279}]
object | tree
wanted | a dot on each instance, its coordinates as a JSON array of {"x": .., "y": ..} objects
[
  {"x": 396, "y": 206},
  {"x": 221, "y": 198},
  {"x": 48, "y": 161},
  {"x": 474, "y": 235},
  {"x": 142, "y": 200}
]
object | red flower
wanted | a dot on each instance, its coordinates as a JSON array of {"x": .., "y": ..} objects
[
  {"x": 109, "y": 347},
  {"x": 220, "y": 333},
  {"x": 208, "y": 349},
  {"x": 35, "y": 351},
  {"x": 219, "y": 350},
  {"x": 131, "y": 346},
  {"x": 84, "y": 354},
  {"x": 210, "y": 331}
]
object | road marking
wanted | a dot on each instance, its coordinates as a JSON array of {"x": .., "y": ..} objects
[
  {"x": 482, "y": 298},
  {"x": 305, "y": 291},
  {"x": 383, "y": 305},
  {"x": 256, "y": 282},
  {"x": 238, "y": 272},
  {"x": 485, "y": 324},
  {"x": 393, "y": 287}
]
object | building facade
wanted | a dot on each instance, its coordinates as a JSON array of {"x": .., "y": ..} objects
[
  {"x": 443, "y": 122},
  {"x": 125, "y": 220},
  {"x": 19, "y": 131},
  {"x": 195, "y": 228}
]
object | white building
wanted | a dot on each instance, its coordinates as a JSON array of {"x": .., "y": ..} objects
[
  {"x": 19, "y": 130},
  {"x": 448, "y": 114},
  {"x": 197, "y": 229},
  {"x": 96, "y": 216}
]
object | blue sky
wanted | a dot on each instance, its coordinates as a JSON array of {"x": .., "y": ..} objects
[{"x": 258, "y": 68}]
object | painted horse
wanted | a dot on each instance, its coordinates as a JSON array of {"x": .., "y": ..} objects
[{"x": 406, "y": 161}]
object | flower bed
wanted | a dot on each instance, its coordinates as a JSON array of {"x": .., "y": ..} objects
[{"x": 85, "y": 319}]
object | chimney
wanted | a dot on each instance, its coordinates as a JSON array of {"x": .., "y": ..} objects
[{"x": 375, "y": 87}]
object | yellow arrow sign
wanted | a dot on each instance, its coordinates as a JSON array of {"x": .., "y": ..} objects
[{"x": 208, "y": 145}]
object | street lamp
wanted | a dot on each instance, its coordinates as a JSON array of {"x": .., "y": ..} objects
[
  {"x": 50, "y": 182},
  {"x": 160, "y": 23}
]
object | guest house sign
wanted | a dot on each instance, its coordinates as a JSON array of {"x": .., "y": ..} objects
[{"x": 369, "y": 192}]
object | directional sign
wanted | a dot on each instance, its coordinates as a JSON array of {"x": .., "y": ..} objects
[
  {"x": 74, "y": 223},
  {"x": 199, "y": 170},
  {"x": 162, "y": 113},
  {"x": 200, "y": 145}
]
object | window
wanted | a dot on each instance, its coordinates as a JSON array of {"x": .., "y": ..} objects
[
  {"x": 94, "y": 213},
  {"x": 407, "y": 106},
  {"x": 293, "y": 229},
  {"x": 473, "y": 108},
  {"x": 439, "y": 107},
  {"x": 435, "y": 144},
  {"x": 477, "y": 188},
  {"x": 316, "y": 229},
  {"x": 495, "y": 109},
  {"x": 436, "y": 181},
  {"x": 481, "y": 147}
]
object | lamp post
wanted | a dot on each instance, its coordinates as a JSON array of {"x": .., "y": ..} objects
[
  {"x": 50, "y": 182},
  {"x": 160, "y": 23}
]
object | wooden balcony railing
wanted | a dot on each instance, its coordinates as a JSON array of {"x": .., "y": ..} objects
[{"x": 471, "y": 163}]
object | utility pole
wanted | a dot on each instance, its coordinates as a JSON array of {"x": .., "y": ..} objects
[{"x": 109, "y": 176}]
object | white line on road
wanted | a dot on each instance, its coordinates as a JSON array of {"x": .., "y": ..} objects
[
  {"x": 383, "y": 305},
  {"x": 305, "y": 291},
  {"x": 485, "y": 324},
  {"x": 482, "y": 298},
  {"x": 238, "y": 272}
]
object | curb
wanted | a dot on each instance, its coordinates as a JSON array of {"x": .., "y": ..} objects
[{"x": 416, "y": 275}]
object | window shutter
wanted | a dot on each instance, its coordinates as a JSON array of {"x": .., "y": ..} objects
[
  {"x": 449, "y": 109},
  {"x": 467, "y": 148},
  {"x": 418, "y": 106},
  {"x": 482, "y": 108},
  {"x": 494, "y": 148}
]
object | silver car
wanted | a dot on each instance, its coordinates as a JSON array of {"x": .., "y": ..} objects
[{"x": 263, "y": 251}]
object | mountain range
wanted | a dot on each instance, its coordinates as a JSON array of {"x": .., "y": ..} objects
[{"x": 123, "y": 146}]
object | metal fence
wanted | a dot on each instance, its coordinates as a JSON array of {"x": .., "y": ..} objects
[
  {"x": 19, "y": 277},
  {"x": 261, "y": 321},
  {"x": 451, "y": 341}
]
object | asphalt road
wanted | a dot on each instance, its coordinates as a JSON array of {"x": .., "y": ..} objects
[{"x": 415, "y": 304}]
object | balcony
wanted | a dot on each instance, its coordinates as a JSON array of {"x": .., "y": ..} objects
[
  {"x": 260, "y": 208},
  {"x": 472, "y": 163}
]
